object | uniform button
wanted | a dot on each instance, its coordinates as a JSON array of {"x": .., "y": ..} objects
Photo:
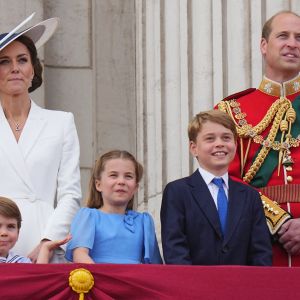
[
  {"x": 289, "y": 179},
  {"x": 289, "y": 168}
]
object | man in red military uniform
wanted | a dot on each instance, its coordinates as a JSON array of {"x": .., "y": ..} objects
[{"x": 268, "y": 124}]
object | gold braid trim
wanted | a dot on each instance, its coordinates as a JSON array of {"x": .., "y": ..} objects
[
  {"x": 249, "y": 131},
  {"x": 274, "y": 214},
  {"x": 271, "y": 138},
  {"x": 222, "y": 106},
  {"x": 277, "y": 112},
  {"x": 225, "y": 106},
  {"x": 246, "y": 130}
]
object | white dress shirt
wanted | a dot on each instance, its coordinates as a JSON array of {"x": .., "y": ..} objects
[{"x": 208, "y": 177}]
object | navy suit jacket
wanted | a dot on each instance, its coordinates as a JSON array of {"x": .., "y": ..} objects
[{"x": 191, "y": 230}]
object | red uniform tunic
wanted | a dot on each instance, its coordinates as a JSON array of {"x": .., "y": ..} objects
[{"x": 252, "y": 108}]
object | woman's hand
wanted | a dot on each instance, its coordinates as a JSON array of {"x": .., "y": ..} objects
[{"x": 43, "y": 252}]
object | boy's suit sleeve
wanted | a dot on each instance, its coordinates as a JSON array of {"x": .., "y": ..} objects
[{"x": 174, "y": 240}]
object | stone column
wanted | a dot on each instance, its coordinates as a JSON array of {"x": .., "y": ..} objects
[
  {"x": 115, "y": 71},
  {"x": 238, "y": 45},
  {"x": 70, "y": 74},
  {"x": 175, "y": 104}
]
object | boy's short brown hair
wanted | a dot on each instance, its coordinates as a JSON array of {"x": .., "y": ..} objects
[
  {"x": 9, "y": 209},
  {"x": 214, "y": 116}
]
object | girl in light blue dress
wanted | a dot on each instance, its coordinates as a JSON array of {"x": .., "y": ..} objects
[{"x": 108, "y": 230}]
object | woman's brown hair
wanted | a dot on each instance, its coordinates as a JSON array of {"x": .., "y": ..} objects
[{"x": 36, "y": 64}]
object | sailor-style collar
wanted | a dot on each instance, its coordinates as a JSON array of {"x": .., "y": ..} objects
[{"x": 277, "y": 89}]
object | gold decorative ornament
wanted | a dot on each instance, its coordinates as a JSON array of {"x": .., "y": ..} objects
[
  {"x": 287, "y": 161},
  {"x": 274, "y": 214},
  {"x": 273, "y": 88},
  {"x": 81, "y": 281},
  {"x": 281, "y": 114}
]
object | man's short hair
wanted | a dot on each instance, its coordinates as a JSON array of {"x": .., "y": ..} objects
[{"x": 267, "y": 28}]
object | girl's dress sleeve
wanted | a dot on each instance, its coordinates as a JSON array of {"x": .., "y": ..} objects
[
  {"x": 82, "y": 230},
  {"x": 151, "y": 250}
]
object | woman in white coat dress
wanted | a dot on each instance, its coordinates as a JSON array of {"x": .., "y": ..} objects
[{"x": 39, "y": 148}]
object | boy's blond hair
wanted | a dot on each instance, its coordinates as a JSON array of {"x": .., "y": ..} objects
[{"x": 214, "y": 116}]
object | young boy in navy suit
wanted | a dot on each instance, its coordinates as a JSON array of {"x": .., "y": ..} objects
[{"x": 207, "y": 218}]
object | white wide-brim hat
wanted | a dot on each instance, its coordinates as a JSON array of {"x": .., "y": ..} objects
[{"x": 39, "y": 33}]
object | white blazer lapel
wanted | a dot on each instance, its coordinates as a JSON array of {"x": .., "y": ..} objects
[
  {"x": 33, "y": 128},
  {"x": 11, "y": 150}
]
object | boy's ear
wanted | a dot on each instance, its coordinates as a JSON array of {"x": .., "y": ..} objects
[{"x": 193, "y": 148}]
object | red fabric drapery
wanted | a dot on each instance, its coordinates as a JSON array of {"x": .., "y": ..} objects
[{"x": 24, "y": 281}]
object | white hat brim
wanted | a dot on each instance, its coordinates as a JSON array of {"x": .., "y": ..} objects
[{"x": 39, "y": 33}]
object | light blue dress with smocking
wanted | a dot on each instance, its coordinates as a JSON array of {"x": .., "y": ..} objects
[{"x": 114, "y": 238}]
